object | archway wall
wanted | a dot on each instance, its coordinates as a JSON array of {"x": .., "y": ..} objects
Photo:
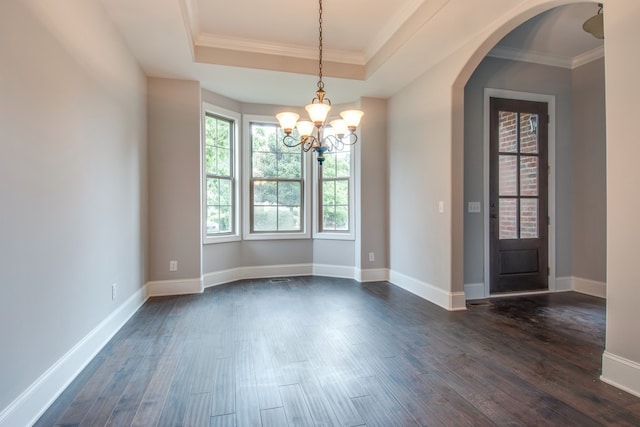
[
  {"x": 426, "y": 165},
  {"x": 621, "y": 360}
]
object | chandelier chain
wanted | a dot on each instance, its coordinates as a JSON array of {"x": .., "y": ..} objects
[{"x": 320, "y": 83}]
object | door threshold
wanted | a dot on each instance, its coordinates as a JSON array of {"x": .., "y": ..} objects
[{"x": 520, "y": 294}]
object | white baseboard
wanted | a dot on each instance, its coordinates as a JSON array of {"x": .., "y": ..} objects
[
  {"x": 343, "y": 271},
  {"x": 174, "y": 287},
  {"x": 581, "y": 285},
  {"x": 590, "y": 287},
  {"x": 372, "y": 275},
  {"x": 34, "y": 401},
  {"x": 447, "y": 300},
  {"x": 292, "y": 270},
  {"x": 474, "y": 291},
  {"x": 621, "y": 373},
  {"x": 226, "y": 276}
]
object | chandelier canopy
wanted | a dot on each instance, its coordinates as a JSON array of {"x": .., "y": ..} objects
[{"x": 315, "y": 134}]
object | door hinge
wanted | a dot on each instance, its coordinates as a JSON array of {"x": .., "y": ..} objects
[
  {"x": 548, "y": 220},
  {"x": 548, "y": 271}
]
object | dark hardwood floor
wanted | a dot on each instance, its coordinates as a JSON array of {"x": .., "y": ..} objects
[{"x": 320, "y": 351}]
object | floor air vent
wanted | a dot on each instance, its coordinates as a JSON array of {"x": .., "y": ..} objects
[{"x": 279, "y": 280}]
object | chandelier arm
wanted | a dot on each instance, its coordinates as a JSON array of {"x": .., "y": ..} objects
[
  {"x": 290, "y": 141},
  {"x": 350, "y": 138},
  {"x": 309, "y": 142}
]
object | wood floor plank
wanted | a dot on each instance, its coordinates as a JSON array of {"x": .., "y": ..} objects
[
  {"x": 198, "y": 410},
  {"x": 328, "y": 351},
  {"x": 295, "y": 406},
  {"x": 274, "y": 417},
  {"x": 228, "y": 420}
]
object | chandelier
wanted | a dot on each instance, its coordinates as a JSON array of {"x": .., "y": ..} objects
[
  {"x": 315, "y": 134},
  {"x": 595, "y": 24}
]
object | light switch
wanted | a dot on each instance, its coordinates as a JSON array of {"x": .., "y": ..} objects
[
  {"x": 473, "y": 207},
  {"x": 441, "y": 206}
]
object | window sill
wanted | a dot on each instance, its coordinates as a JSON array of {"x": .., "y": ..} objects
[{"x": 211, "y": 240}]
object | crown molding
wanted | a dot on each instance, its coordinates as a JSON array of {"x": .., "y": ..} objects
[
  {"x": 589, "y": 56},
  {"x": 278, "y": 49},
  {"x": 514, "y": 54}
]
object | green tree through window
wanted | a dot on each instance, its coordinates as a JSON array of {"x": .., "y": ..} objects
[
  {"x": 219, "y": 163},
  {"x": 276, "y": 181}
]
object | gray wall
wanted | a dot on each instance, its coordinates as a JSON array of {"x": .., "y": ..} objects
[
  {"x": 72, "y": 183},
  {"x": 174, "y": 179},
  {"x": 589, "y": 173},
  {"x": 524, "y": 77},
  {"x": 373, "y": 224}
]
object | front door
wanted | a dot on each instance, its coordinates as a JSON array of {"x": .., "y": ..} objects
[{"x": 518, "y": 196}]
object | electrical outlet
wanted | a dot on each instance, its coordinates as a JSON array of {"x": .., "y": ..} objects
[
  {"x": 372, "y": 257},
  {"x": 114, "y": 291},
  {"x": 173, "y": 265}
]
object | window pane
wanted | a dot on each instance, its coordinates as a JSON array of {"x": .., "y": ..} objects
[
  {"x": 528, "y": 218},
  {"x": 213, "y": 219},
  {"x": 225, "y": 192},
  {"x": 508, "y": 169},
  {"x": 328, "y": 218},
  {"x": 210, "y": 130},
  {"x": 508, "y": 138},
  {"x": 328, "y": 193},
  {"x": 263, "y": 138},
  {"x": 508, "y": 219},
  {"x": 528, "y": 175},
  {"x": 343, "y": 165},
  {"x": 329, "y": 166},
  {"x": 210, "y": 160},
  {"x": 223, "y": 166},
  {"x": 342, "y": 218},
  {"x": 289, "y": 166},
  {"x": 223, "y": 135},
  {"x": 265, "y": 218},
  {"x": 265, "y": 165},
  {"x": 528, "y": 133},
  {"x": 289, "y": 193},
  {"x": 225, "y": 219},
  {"x": 265, "y": 193},
  {"x": 342, "y": 192},
  {"x": 288, "y": 218},
  {"x": 213, "y": 191}
]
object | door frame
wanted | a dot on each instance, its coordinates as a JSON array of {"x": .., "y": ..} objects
[{"x": 551, "y": 150}]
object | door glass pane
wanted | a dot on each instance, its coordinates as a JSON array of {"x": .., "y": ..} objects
[
  {"x": 508, "y": 169},
  {"x": 508, "y": 219},
  {"x": 508, "y": 138},
  {"x": 528, "y": 218},
  {"x": 528, "y": 175},
  {"x": 528, "y": 133}
]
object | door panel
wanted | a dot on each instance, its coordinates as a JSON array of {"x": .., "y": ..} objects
[{"x": 518, "y": 192}]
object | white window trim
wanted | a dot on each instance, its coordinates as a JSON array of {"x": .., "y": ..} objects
[
  {"x": 247, "y": 119},
  {"x": 335, "y": 235},
  {"x": 237, "y": 155}
]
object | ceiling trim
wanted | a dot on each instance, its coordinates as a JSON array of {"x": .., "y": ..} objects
[
  {"x": 588, "y": 56},
  {"x": 278, "y": 49},
  {"x": 274, "y": 62},
  {"x": 503, "y": 52}
]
